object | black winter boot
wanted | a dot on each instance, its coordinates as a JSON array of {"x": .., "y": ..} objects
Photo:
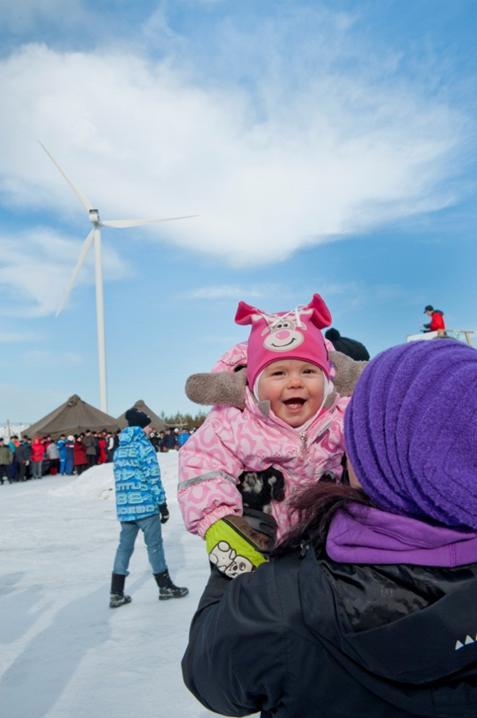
[
  {"x": 167, "y": 588},
  {"x": 117, "y": 597}
]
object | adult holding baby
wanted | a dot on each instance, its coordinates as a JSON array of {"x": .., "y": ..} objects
[{"x": 368, "y": 608}]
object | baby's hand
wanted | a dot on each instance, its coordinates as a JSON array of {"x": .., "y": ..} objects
[{"x": 238, "y": 544}]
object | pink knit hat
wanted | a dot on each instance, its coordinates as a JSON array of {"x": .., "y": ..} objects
[{"x": 287, "y": 335}]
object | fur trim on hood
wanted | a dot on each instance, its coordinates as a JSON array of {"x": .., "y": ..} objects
[{"x": 227, "y": 388}]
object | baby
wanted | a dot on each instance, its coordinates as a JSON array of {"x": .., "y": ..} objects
[{"x": 292, "y": 422}]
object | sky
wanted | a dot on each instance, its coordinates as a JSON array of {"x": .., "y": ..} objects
[{"x": 326, "y": 146}]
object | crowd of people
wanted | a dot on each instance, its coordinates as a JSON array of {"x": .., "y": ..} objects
[{"x": 23, "y": 458}]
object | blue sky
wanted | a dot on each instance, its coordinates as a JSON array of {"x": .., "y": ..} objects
[{"x": 327, "y": 146}]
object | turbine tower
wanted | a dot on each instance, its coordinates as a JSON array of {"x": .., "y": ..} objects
[{"x": 94, "y": 237}]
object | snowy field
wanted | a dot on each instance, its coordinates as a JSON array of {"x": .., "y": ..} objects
[{"x": 63, "y": 651}]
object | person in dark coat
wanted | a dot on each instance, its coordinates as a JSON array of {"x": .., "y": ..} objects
[
  {"x": 170, "y": 441},
  {"x": 351, "y": 347},
  {"x": 368, "y": 608},
  {"x": 90, "y": 443},
  {"x": 13, "y": 468},
  {"x": 23, "y": 458},
  {"x": 160, "y": 441},
  {"x": 155, "y": 440}
]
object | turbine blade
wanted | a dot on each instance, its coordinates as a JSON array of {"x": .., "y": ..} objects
[
  {"x": 124, "y": 223},
  {"x": 82, "y": 197},
  {"x": 82, "y": 256}
]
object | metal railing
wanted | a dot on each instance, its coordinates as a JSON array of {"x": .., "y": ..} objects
[{"x": 464, "y": 335}]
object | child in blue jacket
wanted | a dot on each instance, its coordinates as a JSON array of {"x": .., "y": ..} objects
[{"x": 140, "y": 505}]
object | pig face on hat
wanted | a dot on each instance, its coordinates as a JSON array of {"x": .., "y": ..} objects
[{"x": 295, "y": 334}]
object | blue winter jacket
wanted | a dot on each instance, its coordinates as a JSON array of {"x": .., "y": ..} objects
[
  {"x": 139, "y": 490},
  {"x": 61, "y": 444}
]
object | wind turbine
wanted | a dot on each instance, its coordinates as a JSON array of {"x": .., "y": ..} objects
[{"x": 94, "y": 237}]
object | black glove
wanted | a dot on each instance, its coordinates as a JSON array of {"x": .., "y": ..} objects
[
  {"x": 260, "y": 488},
  {"x": 164, "y": 513}
]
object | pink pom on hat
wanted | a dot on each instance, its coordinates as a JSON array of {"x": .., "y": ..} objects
[{"x": 286, "y": 335}]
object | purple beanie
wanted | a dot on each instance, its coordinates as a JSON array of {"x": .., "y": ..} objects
[{"x": 411, "y": 431}]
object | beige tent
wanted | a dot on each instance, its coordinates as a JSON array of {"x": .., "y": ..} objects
[
  {"x": 158, "y": 424},
  {"x": 72, "y": 417}
]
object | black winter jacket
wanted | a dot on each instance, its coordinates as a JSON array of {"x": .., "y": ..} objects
[
  {"x": 351, "y": 347},
  {"x": 23, "y": 453},
  {"x": 303, "y": 638}
]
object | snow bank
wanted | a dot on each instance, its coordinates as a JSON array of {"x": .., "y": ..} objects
[{"x": 63, "y": 651}]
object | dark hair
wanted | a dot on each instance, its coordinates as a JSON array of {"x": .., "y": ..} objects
[{"x": 315, "y": 508}]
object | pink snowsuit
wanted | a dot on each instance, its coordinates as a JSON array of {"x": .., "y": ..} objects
[{"x": 232, "y": 441}]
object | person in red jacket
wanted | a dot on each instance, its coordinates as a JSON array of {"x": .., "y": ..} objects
[
  {"x": 102, "y": 456},
  {"x": 37, "y": 456},
  {"x": 437, "y": 322},
  {"x": 81, "y": 461}
]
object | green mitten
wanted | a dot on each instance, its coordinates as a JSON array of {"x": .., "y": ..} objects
[{"x": 238, "y": 544}]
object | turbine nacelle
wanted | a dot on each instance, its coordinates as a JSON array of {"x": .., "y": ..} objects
[{"x": 95, "y": 219}]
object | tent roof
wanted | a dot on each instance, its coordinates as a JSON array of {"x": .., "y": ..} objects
[
  {"x": 157, "y": 423},
  {"x": 73, "y": 417}
]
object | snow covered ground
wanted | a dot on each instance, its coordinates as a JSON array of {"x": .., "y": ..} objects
[{"x": 63, "y": 651}]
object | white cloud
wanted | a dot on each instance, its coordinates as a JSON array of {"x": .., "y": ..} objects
[
  {"x": 17, "y": 337},
  {"x": 40, "y": 358},
  {"x": 35, "y": 267},
  {"x": 338, "y": 154}
]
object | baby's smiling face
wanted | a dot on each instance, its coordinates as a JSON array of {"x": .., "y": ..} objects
[{"x": 294, "y": 388}]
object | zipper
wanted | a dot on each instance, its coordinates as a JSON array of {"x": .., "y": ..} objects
[{"x": 304, "y": 444}]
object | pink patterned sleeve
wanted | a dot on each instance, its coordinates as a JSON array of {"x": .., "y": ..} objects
[
  {"x": 208, "y": 472},
  {"x": 235, "y": 356},
  {"x": 334, "y": 440}
]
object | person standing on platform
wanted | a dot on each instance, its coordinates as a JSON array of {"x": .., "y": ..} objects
[{"x": 437, "y": 323}]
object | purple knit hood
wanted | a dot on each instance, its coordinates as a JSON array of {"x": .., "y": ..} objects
[
  {"x": 361, "y": 534},
  {"x": 411, "y": 431}
]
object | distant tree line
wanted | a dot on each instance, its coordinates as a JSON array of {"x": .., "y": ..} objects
[{"x": 191, "y": 421}]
